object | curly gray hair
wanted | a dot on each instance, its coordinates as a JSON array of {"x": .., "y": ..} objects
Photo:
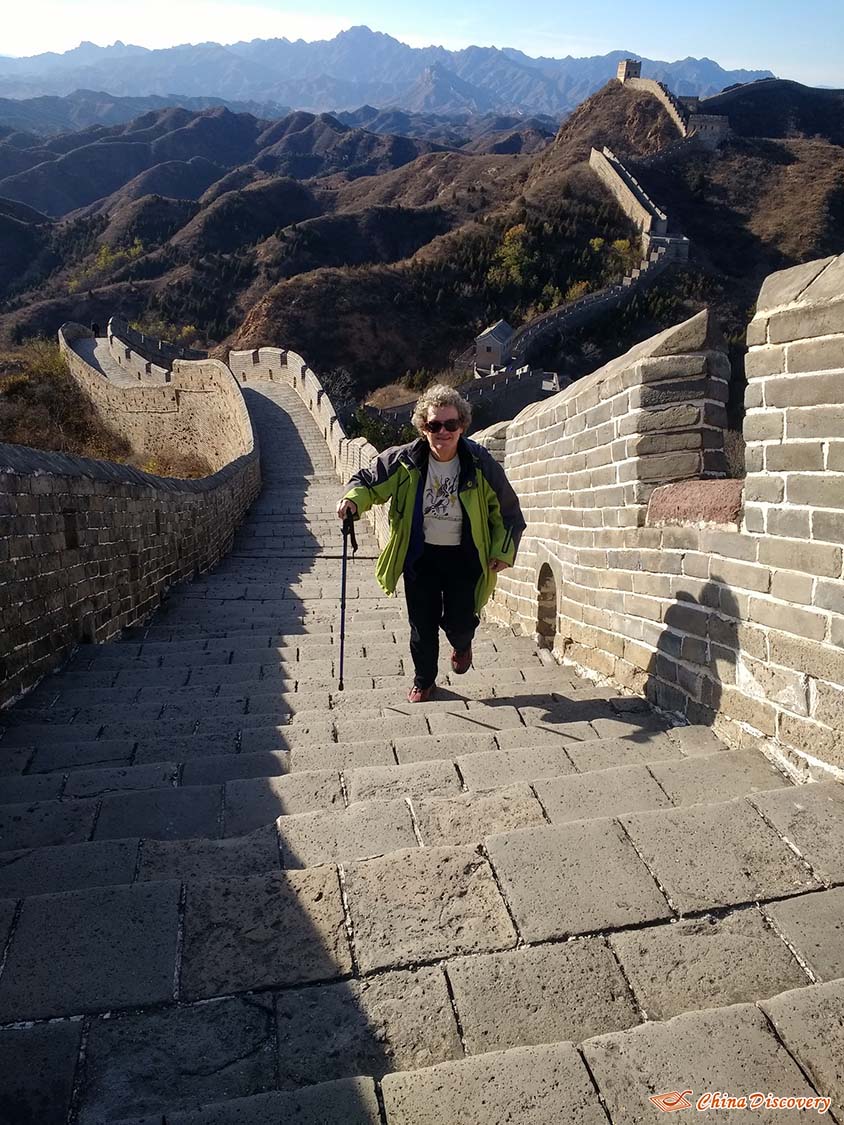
[{"x": 441, "y": 395}]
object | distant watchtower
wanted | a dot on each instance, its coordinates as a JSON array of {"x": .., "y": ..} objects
[{"x": 629, "y": 68}]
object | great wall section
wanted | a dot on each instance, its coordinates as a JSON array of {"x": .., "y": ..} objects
[{"x": 603, "y": 868}]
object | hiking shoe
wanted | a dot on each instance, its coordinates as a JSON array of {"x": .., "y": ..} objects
[
  {"x": 420, "y": 694},
  {"x": 461, "y": 661}
]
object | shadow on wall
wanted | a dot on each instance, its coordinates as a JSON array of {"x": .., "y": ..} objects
[{"x": 697, "y": 653}]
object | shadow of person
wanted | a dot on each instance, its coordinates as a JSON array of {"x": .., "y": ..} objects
[{"x": 696, "y": 653}]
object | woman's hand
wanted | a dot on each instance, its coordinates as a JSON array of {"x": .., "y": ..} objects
[
  {"x": 498, "y": 564},
  {"x": 346, "y": 507}
]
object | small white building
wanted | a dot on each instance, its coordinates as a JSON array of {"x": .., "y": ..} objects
[{"x": 492, "y": 346}]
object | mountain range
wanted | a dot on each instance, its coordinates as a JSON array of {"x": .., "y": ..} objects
[{"x": 356, "y": 67}]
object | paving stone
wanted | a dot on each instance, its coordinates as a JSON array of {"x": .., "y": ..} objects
[
  {"x": 571, "y": 990},
  {"x": 428, "y": 747},
  {"x": 46, "y": 823},
  {"x": 716, "y": 855},
  {"x": 177, "y": 1058},
  {"x": 574, "y": 879},
  {"x": 365, "y": 730},
  {"x": 38, "y": 1064},
  {"x": 419, "y": 779},
  {"x": 529, "y": 1085},
  {"x": 161, "y": 814},
  {"x": 8, "y": 906},
  {"x": 414, "y": 906},
  {"x": 14, "y": 759},
  {"x": 369, "y": 829},
  {"x": 706, "y": 963},
  {"x": 94, "y": 783},
  {"x": 90, "y": 950},
  {"x": 68, "y": 867},
  {"x": 814, "y": 926},
  {"x": 810, "y": 1023},
  {"x": 812, "y": 818},
  {"x": 497, "y": 768},
  {"x": 279, "y": 929},
  {"x": 717, "y": 777},
  {"x": 477, "y": 719},
  {"x": 270, "y": 738},
  {"x": 517, "y": 738},
  {"x": 349, "y": 1101},
  {"x": 393, "y": 1021},
  {"x": 606, "y": 753},
  {"x": 229, "y": 767},
  {"x": 729, "y": 1049},
  {"x": 17, "y": 790},
  {"x": 254, "y": 802},
  {"x": 191, "y": 860},
  {"x": 78, "y": 755},
  {"x": 184, "y": 748},
  {"x": 342, "y": 755},
  {"x": 695, "y": 740},
  {"x": 600, "y": 793},
  {"x": 467, "y": 818}
]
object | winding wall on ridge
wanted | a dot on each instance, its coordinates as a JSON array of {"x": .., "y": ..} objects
[{"x": 88, "y": 548}]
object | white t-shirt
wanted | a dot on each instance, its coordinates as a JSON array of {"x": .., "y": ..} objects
[{"x": 442, "y": 514}]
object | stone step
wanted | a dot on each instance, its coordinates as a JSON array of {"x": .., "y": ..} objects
[
  {"x": 725, "y": 999},
  {"x": 781, "y": 1044},
  {"x": 304, "y": 817}
]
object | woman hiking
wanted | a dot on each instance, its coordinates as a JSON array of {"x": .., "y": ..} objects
[{"x": 455, "y": 521}]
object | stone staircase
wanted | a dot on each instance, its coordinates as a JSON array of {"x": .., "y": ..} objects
[{"x": 231, "y": 893}]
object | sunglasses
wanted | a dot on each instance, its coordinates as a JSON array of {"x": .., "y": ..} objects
[{"x": 452, "y": 425}]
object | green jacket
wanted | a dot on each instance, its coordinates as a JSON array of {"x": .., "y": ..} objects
[{"x": 490, "y": 506}]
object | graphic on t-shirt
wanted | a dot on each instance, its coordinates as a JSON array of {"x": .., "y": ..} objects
[{"x": 440, "y": 496}]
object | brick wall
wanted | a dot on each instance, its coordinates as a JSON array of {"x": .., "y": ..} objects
[
  {"x": 200, "y": 410},
  {"x": 729, "y": 619},
  {"x": 88, "y": 547}
]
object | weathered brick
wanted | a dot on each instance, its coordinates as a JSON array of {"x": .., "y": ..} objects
[
  {"x": 814, "y": 422},
  {"x": 816, "y": 355},
  {"x": 764, "y": 489},
  {"x": 763, "y": 425},
  {"x": 827, "y": 705},
  {"x": 809, "y": 321},
  {"x": 829, "y": 595},
  {"x": 814, "y": 558},
  {"x": 761, "y": 362},
  {"x": 828, "y": 526},
  {"x": 789, "y": 619},
  {"x": 791, "y": 587},
  {"x": 815, "y": 491},
  {"x": 791, "y": 523},
  {"x": 805, "y": 456}
]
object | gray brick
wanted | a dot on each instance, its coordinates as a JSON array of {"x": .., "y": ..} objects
[
  {"x": 232, "y": 928},
  {"x": 716, "y": 855},
  {"x": 542, "y": 995},
  {"x": 717, "y": 777},
  {"x": 466, "y": 819},
  {"x": 91, "y": 950},
  {"x": 369, "y": 829},
  {"x": 737, "y": 959},
  {"x": 254, "y": 802},
  {"x": 416, "y": 906},
  {"x": 69, "y": 867},
  {"x": 600, "y": 793},
  {"x": 504, "y": 767},
  {"x": 812, "y": 818},
  {"x": 418, "y": 779},
  {"x": 531, "y": 1085},
  {"x": 394, "y": 1021},
  {"x": 177, "y": 1057},
  {"x": 574, "y": 879},
  {"x": 735, "y": 1043},
  {"x": 46, "y": 823},
  {"x": 810, "y": 1022},
  {"x": 192, "y": 860},
  {"x": 161, "y": 814},
  {"x": 38, "y": 1064},
  {"x": 814, "y": 926}
]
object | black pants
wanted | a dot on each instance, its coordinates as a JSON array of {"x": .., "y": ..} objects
[{"x": 440, "y": 590}]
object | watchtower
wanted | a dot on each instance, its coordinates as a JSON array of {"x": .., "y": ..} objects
[{"x": 629, "y": 68}]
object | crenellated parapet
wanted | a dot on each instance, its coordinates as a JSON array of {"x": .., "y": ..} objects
[
  {"x": 721, "y": 600},
  {"x": 89, "y": 548}
]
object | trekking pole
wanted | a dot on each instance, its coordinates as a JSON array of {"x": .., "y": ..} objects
[{"x": 348, "y": 533}]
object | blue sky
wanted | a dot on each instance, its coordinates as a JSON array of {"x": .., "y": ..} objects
[{"x": 802, "y": 41}]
